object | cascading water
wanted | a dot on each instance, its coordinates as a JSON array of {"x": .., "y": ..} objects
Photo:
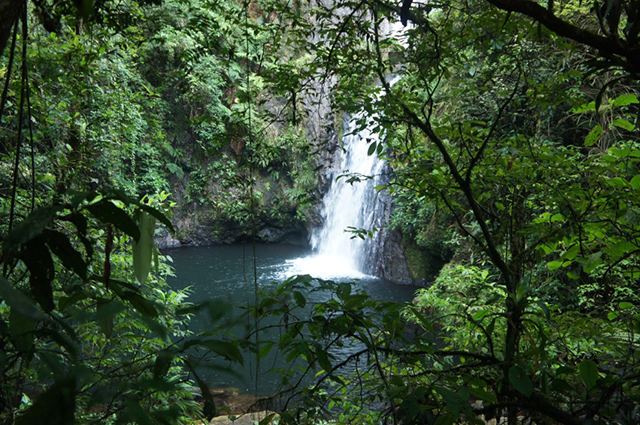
[
  {"x": 347, "y": 204},
  {"x": 351, "y": 203}
]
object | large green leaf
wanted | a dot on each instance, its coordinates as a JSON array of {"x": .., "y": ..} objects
[
  {"x": 594, "y": 135},
  {"x": 143, "y": 247},
  {"x": 60, "y": 245},
  {"x": 520, "y": 380},
  {"x": 36, "y": 256},
  {"x": 625, "y": 100},
  {"x": 158, "y": 215},
  {"x": 19, "y": 301},
  {"x": 29, "y": 228},
  {"x": 588, "y": 372},
  {"x": 21, "y": 329},
  {"x": 106, "y": 311},
  {"x": 162, "y": 363},
  {"x": 108, "y": 213},
  {"x": 140, "y": 303},
  {"x": 226, "y": 349},
  {"x": 131, "y": 293},
  {"x": 623, "y": 124}
]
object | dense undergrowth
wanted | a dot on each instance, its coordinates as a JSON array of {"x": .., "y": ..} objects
[{"x": 511, "y": 136}]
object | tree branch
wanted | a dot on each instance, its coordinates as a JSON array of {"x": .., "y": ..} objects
[{"x": 609, "y": 47}]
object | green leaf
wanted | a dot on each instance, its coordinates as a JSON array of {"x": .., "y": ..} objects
[
  {"x": 140, "y": 303},
  {"x": 29, "y": 228},
  {"x": 108, "y": 213},
  {"x": 21, "y": 329},
  {"x": 573, "y": 275},
  {"x": 301, "y": 301},
  {"x": 624, "y": 305},
  {"x": 228, "y": 350},
  {"x": 131, "y": 293},
  {"x": 80, "y": 222},
  {"x": 635, "y": 182},
  {"x": 554, "y": 265},
  {"x": 544, "y": 308},
  {"x": 267, "y": 419},
  {"x": 620, "y": 249},
  {"x": 623, "y": 124},
  {"x": 455, "y": 400},
  {"x": 372, "y": 148},
  {"x": 594, "y": 135},
  {"x": 36, "y": 256},
  {"x": 592, "y": 262},
  {"x": 60, "y": 245},
  {"x": 162, "y": 363},
  {"x": 209, "y": 408},
  {"x": 588, "y": 372},
  {"x": 19, "y": 301},
  {"x": 572, "y": 252},
  {"x": 158, "y": 215},
  {"x": 323, "y": 359},
  {"x": 625, "y": 100},
  {"x": 143, "y": 247},
  {"x": 585, "y": 107},
  {"x": 616, "y": 182},
  {"x": 133, "y": 413},
  {"x": 480, "y": 391},
  {"x": 448, "y": 418},
  {"x": 106, "y": 312},
  {"x": 520, "y": 380}
]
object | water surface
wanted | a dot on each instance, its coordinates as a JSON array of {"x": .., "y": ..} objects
[{"x": 225, "y": 274}]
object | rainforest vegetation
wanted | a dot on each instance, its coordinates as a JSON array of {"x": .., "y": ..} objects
[{"x": 512, "y": 150}]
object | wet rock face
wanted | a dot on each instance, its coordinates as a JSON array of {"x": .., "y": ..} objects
[
  {"x": 394, "y": 266},
  {"x": 387, "y": 257},
  {"x": 191, "y": 231},
  {"x": 195, "y": 223},
  {"x": 321, "y": 128},
  {"x": 396, "y": 257},
  {"x": 165, "y": 240},
  {"x": 295, "y": 235}
]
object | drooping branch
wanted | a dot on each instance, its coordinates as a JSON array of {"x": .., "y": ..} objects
[{"x": 627, "y": 53}]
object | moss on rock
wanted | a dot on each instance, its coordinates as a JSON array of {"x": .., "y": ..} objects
[{"x": 423, "y": 264}]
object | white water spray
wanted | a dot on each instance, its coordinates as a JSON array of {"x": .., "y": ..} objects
[
  {"x": 338, "y": 253},
  {"x": 347, "y": 205}
]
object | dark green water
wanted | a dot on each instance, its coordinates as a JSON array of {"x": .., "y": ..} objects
[{"x": 225, "y": 274}]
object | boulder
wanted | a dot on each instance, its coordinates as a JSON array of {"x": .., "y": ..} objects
[{"x": 247, "y": 419}]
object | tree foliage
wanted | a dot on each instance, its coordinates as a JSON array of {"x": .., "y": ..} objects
[{"x": 511, "y": 133}]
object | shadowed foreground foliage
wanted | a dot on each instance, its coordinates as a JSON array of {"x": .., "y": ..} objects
[{"x": 511, "y": 137}]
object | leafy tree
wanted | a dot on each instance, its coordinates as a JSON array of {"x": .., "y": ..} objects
[{"x": 483, "y": 123}]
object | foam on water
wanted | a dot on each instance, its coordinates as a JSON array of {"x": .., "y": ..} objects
[{"x": 323, "y": 267}]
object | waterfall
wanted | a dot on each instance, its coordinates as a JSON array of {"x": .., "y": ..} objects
[
  {"x": 347, "y": 204},
  {"x": 351, "y": 203}
]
